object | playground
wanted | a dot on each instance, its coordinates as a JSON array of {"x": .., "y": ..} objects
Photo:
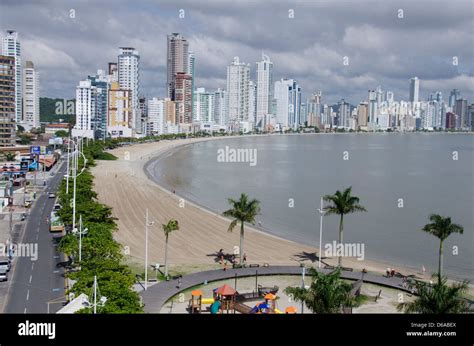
[{"x": 267, "y": 297}]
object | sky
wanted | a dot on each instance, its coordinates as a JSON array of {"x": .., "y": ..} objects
[{"x": 383, "y": 42}]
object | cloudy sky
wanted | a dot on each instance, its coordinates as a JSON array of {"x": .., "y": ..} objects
[{"x": 382, "y": 48}]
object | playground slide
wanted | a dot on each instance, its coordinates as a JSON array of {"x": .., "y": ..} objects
[{"x": 206, "y": 301}]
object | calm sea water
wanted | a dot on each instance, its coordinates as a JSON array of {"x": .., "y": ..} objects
[{"x": 382, "y": 169}]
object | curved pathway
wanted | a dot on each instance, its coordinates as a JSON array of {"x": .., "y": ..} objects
[{"x": 157, "y": 295}]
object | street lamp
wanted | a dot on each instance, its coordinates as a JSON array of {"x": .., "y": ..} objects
[
  {"x": 81, "y": 233},
  {"x": 321, "y": 213},
  {"x": 96, "y": 304},
  {"x": 75, "y": 163},
  {"x": 147, "y": 223}
]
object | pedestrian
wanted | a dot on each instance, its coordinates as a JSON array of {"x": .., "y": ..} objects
[
  {"x": 179, "y": 283},
  {"x": 244, "y": 260}
]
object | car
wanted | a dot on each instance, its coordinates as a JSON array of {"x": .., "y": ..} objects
[
  {"x": 3, "y": 275},
  {"x": 51, "y": 174},
  {"x": 28, "y": 204},
  {"x": 23, "y": 216},
  {"x": 57, "y": 207},
  {"x": 5, "y": 263},
  {"x": 51, "y": 195}
]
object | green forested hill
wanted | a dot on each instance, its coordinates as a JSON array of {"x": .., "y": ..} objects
[{"x": 51, "y": 110}]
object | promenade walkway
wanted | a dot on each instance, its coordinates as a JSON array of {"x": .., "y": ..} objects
[{"x": 157, "y": 295}]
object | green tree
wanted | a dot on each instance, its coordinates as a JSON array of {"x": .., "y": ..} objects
[
  {"x": 242, "y": 211},
  {"x": 10, "y": 156},
  {"x": 171, "y": 226},
  {"x": 342, "y": 203},
  {"x": 20, "y": 129},
  {"x": 437, "y": 299},
  {"x": 327, "y": 294},
  {"x": 441, "y": 227},
  {"x": 61, "y": 133}
]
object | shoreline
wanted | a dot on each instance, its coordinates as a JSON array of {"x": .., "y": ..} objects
[{"x": 194, "y": 250}]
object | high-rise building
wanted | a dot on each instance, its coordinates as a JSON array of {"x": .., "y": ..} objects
[
  {"x": 373, "y": 109},
  {"x": 470, "y": 113},
  {"x": 414, "y": 89},
  {"x": 170, "y": 111},
  {"x": 30, "y": 96},
  {"x": 288, "y": 104},
  {"x": 156, "y": 116},
  {"x": 11, "y": 47},
  {"x": 203, "y": 104},
  {"x": 92, "y": 107},
  {"x": 119, "y": 115},
  {"x": 460, "y": 109},
  {"x": 183, "y": 97},
  {"x": 453, "y": 96},
  {"x": 344, "y": 113},
  {"x": 112, "y": 72},
  {"x": 7, "y": 101},
  {"x": 220, "y": 107},
  {"x": 252, "y": 103},
  {"x": 314, "y": 109},
  {"x": 178, "y": 61},
  {"x": 238, "y": 77},
  {"x": 362, "y": 114},
  {"x": 129, "y": 79},
  {"x": 264, "y": 90}
]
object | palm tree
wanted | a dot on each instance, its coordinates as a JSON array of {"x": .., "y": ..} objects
[
  {"x": 439, "y": 299},
  {"x": 342, "y": 203},
  {"x": 242, "y": 211},
  {"x": 441, "y": 227},
  {"x": 171, "y": 226},
  {"x": 327, "y": 294},
  {"x": 10, "y": 156}
]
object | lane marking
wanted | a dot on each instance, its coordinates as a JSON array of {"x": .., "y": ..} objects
[
  {"x": 28, "y": 295},
  {"x": 56, "y": 272},
  {"x": 31, "y": 277},
  {"x": 56, "y": 289},
  {"x": 24, "y": 311},
  {"x": 32, "y": 265},
  {"x": 55, "y": 257}
]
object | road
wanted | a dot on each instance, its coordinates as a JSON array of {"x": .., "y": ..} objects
[{"x": 36, "y": 282}]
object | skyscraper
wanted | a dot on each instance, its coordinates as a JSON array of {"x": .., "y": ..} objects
[
  {"x": 183, "y": 98},
  {"x": 30, "y": 96},
  {"x": 460, "y": 109},
  {"x": 453, "y": 96},
  {"x": 178, "y": 61},
  {"x": 119, "y": 115},
  {"x": 129, "y": 79},
  {"x": 92, "y": 107},
  {"x": 203, "y": 105},
  {"x": 238, "y": 77},
  {"x": 156, "y": 116},
  {"x": 252, "y": 102},
  {"x": 220, "y": 107},
  {"x": 7, "y": 101},
  {"x": 314, "y": 109},
  {"x": 288, "y": 104},
  {"x": 11, "y": 47},
  {"x": 264, "y": 89},
  {"x": 414, "y": 89}
]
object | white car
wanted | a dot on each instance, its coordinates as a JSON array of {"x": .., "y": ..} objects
[
  {"x": 5, "y": 264},
  {"x": 52, "y": 195},
  {"x": 3, "y": 275}
]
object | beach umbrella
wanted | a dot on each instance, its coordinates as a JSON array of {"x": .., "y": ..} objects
[{"x": 290, "y": 310}]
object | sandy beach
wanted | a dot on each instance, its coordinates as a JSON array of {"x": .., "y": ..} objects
[{"x": 124, "y": 186}]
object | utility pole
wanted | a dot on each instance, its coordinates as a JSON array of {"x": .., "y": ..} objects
[
  {"x": 321, "y": 213},
  {"x": 146, "y": 249},
  {"x": 67, "y": 169},
  {"x": 74, "y": 168}
]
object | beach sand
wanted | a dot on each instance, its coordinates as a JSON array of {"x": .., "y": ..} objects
[{"x": 124, "y": 186}]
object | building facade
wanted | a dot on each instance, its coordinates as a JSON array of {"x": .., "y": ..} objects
[
  {"x": 183, "y": 98},
  {"x": 288, "y": 104},
  {"x": 264, "y": 90},
  {"x": 7, "y": 101},
  {"x": 238, "y": 77},
  {"x": 30, "y": 96},
  {"x": 120, "y": 112},
  {"x": 11, "y": 47},
  {"x": 178, "y": 61},
  {"x": 129, "y": 79}
]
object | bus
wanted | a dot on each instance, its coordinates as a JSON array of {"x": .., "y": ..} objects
[{"x": 55, "y": 224}]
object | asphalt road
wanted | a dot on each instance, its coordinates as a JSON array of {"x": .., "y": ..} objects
[{"x": 37, "y": 282}]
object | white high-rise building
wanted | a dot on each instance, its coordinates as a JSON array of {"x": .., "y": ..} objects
[
  {"x": 238, "y": 77},
  {"x": 129, "y": 79},
  {"x": 11, "y": 47},
  {"x": 156, "y": 116},
  {"x": 288, "y": 104},
  {"x": 414, "y": 89},
  {"x": 203, "y": 105},
  {"x": 252, "y": 102},
  {"x": 30, "y": 96},
  {"x": 84, "y": 110},
  {"x": 264, "y": 89},
  {"x": 220, "y": 107}
]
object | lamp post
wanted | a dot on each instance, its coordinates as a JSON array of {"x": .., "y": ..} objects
[
  {"x": 147, "y": 223},
  {"x": 67, "y": 169},
  {"x": 81, "y": 232},
  {"x": 75, "y": 163},
  {"x": 321, "y": 213}
]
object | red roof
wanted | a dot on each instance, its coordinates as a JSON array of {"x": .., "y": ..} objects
[{"x": 226, "y": 290}]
